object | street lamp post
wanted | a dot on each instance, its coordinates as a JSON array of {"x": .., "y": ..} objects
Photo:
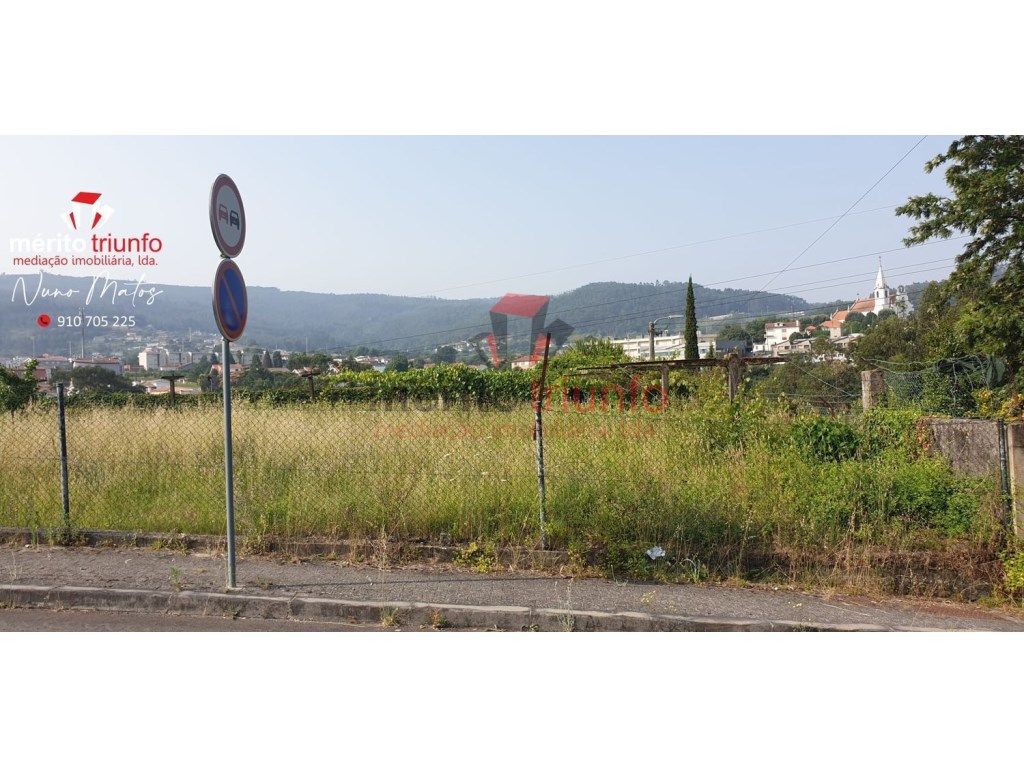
[
  {"x": 664, "y": 368},
  {"x": 651, "y": 330}
]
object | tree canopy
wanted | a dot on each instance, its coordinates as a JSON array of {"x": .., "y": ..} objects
[
  {"x": 16, "y": 391},
  {"x": 93, "y": 378},
  {"x": 735, "y": 333},
  {"x": 986, "y": 177},
  {"x": 585, "y": 352}
]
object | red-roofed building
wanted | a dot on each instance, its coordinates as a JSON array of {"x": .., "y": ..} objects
[{"x": 882, "y": 298}]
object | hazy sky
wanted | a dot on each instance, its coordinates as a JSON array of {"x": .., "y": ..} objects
[{"x": 427, "y": 216}]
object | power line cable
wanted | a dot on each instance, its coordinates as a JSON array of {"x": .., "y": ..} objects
[
  {"x": 692, "y": 244},
  {"x": 757, "y": 294},
  {"x": 646, "y": 313},
  {"x": 748, "y": 316},
  {"x": 845, "y": 213}
]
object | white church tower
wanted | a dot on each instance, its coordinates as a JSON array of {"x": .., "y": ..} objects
[
  {"x": 886, "y": 298},
  {"x": 881, "y": 294}
]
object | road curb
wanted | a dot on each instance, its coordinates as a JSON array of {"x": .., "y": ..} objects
[
  {"x": 357, "y": 551},
  {"x": 412, "y": 615}
]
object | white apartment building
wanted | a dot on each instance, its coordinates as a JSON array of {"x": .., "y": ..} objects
[
  {"x": 665, "y": 347},
  {"x": 163, "y": 359},
  {"x": 173, "y": 359},
  {"x": 149, "y": 359},
  {"x": 779, "y": 333}
]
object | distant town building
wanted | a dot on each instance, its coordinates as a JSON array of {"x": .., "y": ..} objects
[
  {"x": 149, "y": 359},
  {"x": 51, "y": 363},
  {"x": 164, "y": 359},
  {"x": 725, "y": 347},
  {"x": 524, "y": 363},
  {"x": 237, "y": 369},
  {"x": 41, "y": 375},
  {"x": 796, "y": 347},
  {"x": 834, "y": 324},
  {"x": 779, "y": 332},
  {"x": 108, "y": 363},
  {"x": 883, "y": 297},
  {"x": 665, "y": 347},
  {"x": 163, "y": 387}
]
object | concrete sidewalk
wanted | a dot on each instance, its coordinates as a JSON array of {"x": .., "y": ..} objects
[{"x": 161, "y": 581}]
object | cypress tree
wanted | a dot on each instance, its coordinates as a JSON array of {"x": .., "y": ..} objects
[{"x": 690, "y": 351}]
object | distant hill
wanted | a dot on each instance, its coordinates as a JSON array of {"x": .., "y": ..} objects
[
  {"x": 287, "y": 319},
  {"x": 620, "y": 309}
]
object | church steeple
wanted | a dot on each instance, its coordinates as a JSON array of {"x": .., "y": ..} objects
[{"x": 880, "y": 279}]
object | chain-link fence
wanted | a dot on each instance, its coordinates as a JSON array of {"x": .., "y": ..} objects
[
  {"x": 949, "y": 387},
  {"x": 684, "y": 469},
  {"x": 416, "y": 471}
]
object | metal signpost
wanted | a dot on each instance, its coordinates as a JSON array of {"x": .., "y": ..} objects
[{"x": 230, "y": 310}]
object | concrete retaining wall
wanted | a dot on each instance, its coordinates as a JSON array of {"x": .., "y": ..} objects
[{"x": 971, "y": 445}]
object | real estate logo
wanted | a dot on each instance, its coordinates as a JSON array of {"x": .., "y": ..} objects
[
  {"x": 84, "y": 210},
  {"x": 86, "y": 245},
  {"x": 533, "y": 308}
]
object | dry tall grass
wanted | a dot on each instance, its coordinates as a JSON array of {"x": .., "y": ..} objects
[{"x": 715, "y": 487}]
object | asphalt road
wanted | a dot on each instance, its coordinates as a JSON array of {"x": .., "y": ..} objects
[{"x": 140, "y": 568}]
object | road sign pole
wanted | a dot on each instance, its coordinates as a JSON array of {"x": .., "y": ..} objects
[
  {"x": 230, "y": 311},
  {"x": 229, "y": 476}
]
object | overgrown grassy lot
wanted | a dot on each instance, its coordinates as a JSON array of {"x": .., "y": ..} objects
[{"x": 751, "y": 491}]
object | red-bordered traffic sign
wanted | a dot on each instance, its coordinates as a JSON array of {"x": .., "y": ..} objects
[
  {"x": 230, "y": 300},
  {"x": 227, "y": 216}
]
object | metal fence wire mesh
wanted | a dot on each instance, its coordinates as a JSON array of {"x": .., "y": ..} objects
[
  {"x": 943, "y": 386},
  {"x": 30, "y": 492},
  {"x": 623, "y": 463},
  {"x": 420, "y": 472},
  {"x": 416, "y": 470}
]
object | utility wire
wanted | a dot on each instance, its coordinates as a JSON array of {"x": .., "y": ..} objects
[
  {"x": 845, "y": 213},
  {"x": 666, "y": 249},
  {"x": 646, "y": 313},
  {"x": 757, "y": 294}
]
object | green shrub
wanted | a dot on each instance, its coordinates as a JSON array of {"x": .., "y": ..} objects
[
  {"x": 885, "y": 429},
  {"x": 1013, "y": 574},
  {"x": 823, "y": 438},
  {"x": 925, "y": 492}
]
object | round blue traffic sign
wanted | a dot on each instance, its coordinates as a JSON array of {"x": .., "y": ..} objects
[{"x": 230, "y": 300}]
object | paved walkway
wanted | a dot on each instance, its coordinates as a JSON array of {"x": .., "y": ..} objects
[{"x": 137, "y": 568}]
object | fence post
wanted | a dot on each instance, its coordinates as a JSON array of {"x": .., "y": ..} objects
[
  {"x": 1004, "y": 469},
  {"x": 872, "y": 387},
  {"x": 308, "y": 376},
  {"x": 65, "y": 499},
  {"x": 733, "y": 369},
  {"x": 1015, "y": 470},
  {"x": 538, "y": 437}
]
